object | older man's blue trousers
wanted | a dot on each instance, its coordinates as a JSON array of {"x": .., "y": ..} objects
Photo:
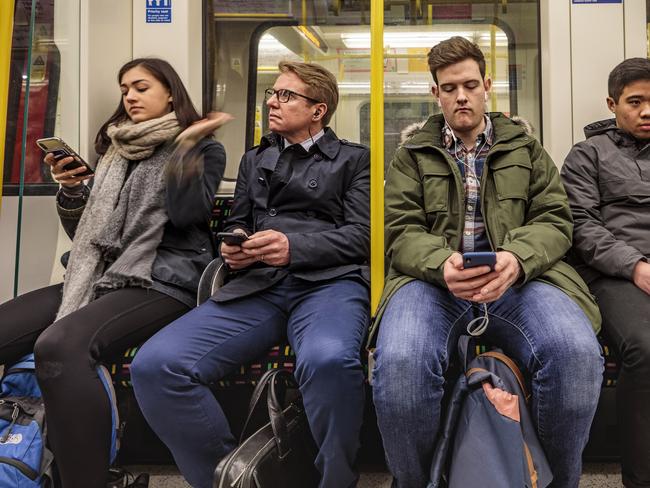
[{"x": 325, "y": 323}]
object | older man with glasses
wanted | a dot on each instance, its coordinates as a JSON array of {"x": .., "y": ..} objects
[{"x": 302, "y": 198}]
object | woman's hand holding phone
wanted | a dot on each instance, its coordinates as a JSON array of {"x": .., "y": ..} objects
[
  {"x": 67, "y": 178},
  {"x": 67, "y": 167}
]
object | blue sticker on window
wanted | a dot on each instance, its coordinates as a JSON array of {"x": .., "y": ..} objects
[{"x": 159, "y": 11}]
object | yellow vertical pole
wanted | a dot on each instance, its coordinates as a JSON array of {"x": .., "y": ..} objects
[
  {"x": 6, "y": 35},
  {"x": 376, "y": 152},
  {"x": 493, "y": 66},
  {"x": 305, "y": 52}
]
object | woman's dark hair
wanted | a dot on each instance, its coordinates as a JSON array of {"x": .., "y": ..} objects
[{"x": 165, "y": 74}]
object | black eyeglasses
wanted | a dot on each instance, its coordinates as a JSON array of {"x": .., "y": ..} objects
[{"x": 285, "y": 95}]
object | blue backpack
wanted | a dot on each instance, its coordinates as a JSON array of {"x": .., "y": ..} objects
[
  {"x": 25, "y": 460},
  {"x": 487, "y": 437}
]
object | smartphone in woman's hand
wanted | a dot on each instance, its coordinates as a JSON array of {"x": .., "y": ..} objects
[{"x": 60, "y": 150}]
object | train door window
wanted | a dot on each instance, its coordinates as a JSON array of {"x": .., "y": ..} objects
[
  {"x": 251, "y": 38},
  {"x": 50, "y": 110},
  {"x": 408, "y": 81},
  {"x": 401, "y": 119}
]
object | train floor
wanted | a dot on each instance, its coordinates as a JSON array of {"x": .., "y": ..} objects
[{"x": 595, "y": 475}]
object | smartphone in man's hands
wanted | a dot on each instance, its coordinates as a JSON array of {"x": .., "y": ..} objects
[
  {"x": 60, "y": 150},
  {"x": 232, "y": 238},
  {"x": 475, "y": 259}
]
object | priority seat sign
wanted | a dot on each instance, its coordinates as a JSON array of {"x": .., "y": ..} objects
[{"x": 159, "y": 11}]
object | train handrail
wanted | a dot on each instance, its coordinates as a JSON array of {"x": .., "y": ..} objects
[{"x": 376, "y": 153}]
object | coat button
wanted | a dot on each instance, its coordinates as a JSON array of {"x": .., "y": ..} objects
[
  {"x": 272, "y": 212},
  {"x": 312, "y": 183},
  {"x": 260, "y": 180},
  {"x": 317, "y": 157}
]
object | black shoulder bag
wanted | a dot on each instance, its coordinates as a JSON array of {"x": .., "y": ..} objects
[{"x": 281, "y": 453}]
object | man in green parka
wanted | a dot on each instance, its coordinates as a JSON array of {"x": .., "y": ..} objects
[{"x": 468, "y": 181}]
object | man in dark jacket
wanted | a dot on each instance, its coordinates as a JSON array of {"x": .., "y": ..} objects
[
  {"x": 607, "y": 179},
  {"x": 467, "y": 182},
  {"x": 302, "y": 198}
]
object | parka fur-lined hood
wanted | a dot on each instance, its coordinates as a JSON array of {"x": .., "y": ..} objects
[{"x": 412, "y": 129}]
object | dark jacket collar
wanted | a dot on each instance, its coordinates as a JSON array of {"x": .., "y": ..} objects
[
  {"x": 600, "y": 127},
  {"x": 328, "y": 145},
  {"x": 620, "y": 137}
]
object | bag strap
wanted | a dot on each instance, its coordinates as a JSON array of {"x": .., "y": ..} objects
[
  {"x": 446, "y": 433},
  {"x": 465, "y": 350},
  {"x": 513, "y": 367},
  {"x": 276, "y": 411},
  {"x": 24, "y": 363},
  {"x": 255, "y": 399}
]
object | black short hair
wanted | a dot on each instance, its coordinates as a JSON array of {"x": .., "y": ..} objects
[{"x": 629, "y": 71}]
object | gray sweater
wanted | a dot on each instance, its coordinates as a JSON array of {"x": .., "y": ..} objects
[{"x": 607, "y": 180}]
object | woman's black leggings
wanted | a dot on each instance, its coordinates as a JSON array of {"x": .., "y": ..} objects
[{"x": 67, "y": 353}]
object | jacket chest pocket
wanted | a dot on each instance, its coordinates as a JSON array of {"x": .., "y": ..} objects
[
  {"x": 436, "y": 192},
  {"x": 619, "y": 189},
  {"x": 512, "y": 177},
  {"x": 436, "y": 178}
]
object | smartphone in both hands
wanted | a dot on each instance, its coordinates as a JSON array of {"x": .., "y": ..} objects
[
  {"x": 60, "y": 150},
  {"x": 475, "y": 259},
  {"x": 232, "y": 238}
]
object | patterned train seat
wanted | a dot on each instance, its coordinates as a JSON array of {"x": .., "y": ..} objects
[{"x": 282, "y": 355}]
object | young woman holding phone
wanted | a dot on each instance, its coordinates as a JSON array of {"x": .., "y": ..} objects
[{"x": 140, "y": 241}]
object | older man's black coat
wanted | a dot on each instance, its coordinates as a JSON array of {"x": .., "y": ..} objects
[{"x": 319, "y": 198}]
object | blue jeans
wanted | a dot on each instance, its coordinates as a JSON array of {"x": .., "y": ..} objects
[
  {"x": 537, "y": 325},
  {"x": 325, "y": 323}
]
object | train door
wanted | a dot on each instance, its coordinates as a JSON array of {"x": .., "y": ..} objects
[
  {"x": 38, "y": 56},
  {"x": 64, "y": 56},
  {"x": 247, "y": 41}
]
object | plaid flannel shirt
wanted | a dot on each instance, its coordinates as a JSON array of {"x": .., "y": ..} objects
[{"x": 470, "y": 162}]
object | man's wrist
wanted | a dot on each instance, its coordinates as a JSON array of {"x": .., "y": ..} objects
[{"x": 638, "y": 267}]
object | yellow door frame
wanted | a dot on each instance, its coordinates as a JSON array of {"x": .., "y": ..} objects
[
  {"x": 376, "y": 153},
  {"x": 6, "y": 36}
]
